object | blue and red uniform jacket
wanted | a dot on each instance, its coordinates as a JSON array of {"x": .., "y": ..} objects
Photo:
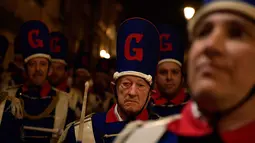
[
  {"x": 164, "y": 107},
  {"x": 106, "y": 126},
  {"x": 192, "y": 129},
  {"x": 36, "y": 101}
]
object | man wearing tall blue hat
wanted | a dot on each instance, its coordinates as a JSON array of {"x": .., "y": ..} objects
[
  {"x": 170, "y": 95},
  {"x": 10, "y": 108},
  {"x": 137, "y": 48},
  {"x": 221, "y": 76},
  {"x": 59, "y": 72},
  {"x": 45, "y": 110}
]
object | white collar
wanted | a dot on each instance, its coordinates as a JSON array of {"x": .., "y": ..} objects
[{"x": 116, "y": 113}]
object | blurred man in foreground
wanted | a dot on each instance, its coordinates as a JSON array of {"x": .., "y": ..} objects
[
  {"x": 170, "y": 96},
  {"x": 221, "y": 76}
]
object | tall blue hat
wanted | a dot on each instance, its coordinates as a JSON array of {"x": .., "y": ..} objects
[
  {"x": 137, "y": 49},
  {"x": 171, "y": 47},
  {"x": 244, "y": 7},
  {"x": 58, "y": 47},
  {"x": 4, "y": 44},
  {"x": 35, "y": 39}
]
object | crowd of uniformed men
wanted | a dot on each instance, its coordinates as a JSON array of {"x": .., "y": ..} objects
[{"x": 44, "y": 98}]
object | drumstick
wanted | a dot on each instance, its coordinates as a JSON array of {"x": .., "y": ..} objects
[
  {"x": 83, "y": 112},
  {"x": 56, "y": 131}
]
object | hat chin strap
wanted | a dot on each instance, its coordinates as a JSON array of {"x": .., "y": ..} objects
[{"x": 217, "y": 116}]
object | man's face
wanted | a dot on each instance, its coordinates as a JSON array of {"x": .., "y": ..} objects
[
  {"x": 132, "y": 93},
  {"x": 221, "y": 61},
  {"x": 169, "y": 79},
  {"x": 59, "y": 73},
  {"x": 37, "y": 70}
]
